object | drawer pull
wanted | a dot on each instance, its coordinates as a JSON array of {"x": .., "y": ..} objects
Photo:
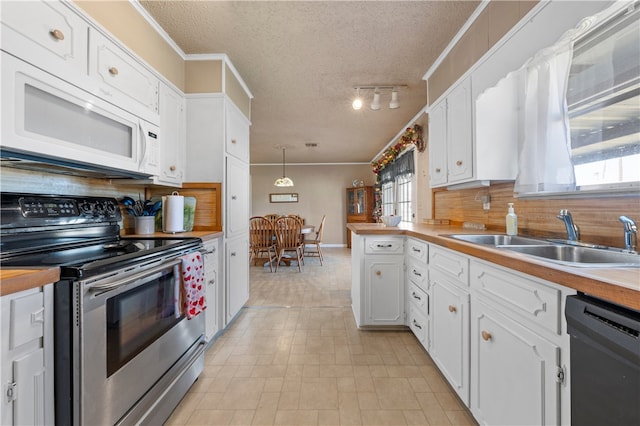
[
  {"x": 172, "y": 168},
  {"x": 415, "y": 296},
  {"x": 416, "y": 273},
  {"x": 113, "y": 71},
  {"x": 417, "y": 250},
  {"x": 57, "y": 34},
  {"x": 233, "y": 197},
  {"x": 458, "y": 163},
  {"x": 378, "y": 273},
  {"x": 384, "y": 245},
  {"x": 452, "y": 308},
  {"x": 438, "y": 170},
  {"x": 486, "y": 335},
  {"x": 417, "y": 325}
]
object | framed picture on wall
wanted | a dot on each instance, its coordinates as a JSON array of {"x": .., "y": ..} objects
[{"x": 283, "y": 198}]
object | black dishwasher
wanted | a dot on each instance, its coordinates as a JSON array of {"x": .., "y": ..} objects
[{"x": 605, "y": 362}]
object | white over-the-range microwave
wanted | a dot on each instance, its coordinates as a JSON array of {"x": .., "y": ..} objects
[{"x": 51, "y": 120}]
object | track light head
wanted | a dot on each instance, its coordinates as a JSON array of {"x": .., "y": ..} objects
[{"x": 394, "y": 100}]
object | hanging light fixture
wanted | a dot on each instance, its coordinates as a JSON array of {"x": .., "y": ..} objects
[
  {"x": 357, "y": 102},
  {"x": 394, "y": 99},
  {"x": 375, "y": 105},
  {"x": 284, "y": 181}
]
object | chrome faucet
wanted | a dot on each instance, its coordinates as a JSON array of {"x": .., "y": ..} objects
[
  {"x": 630, "y": 233},
  {"x": 573, "y": 233}
]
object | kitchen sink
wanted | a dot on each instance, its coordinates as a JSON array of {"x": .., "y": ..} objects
[
  {"x": 499, "y": 239},
  {"x": 566, "y": 253},
  {"x": 579, "y": 256}
]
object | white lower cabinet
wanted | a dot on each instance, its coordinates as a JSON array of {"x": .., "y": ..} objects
[
  {"x": 378, "y": 289},
  {"x": 211, "y": 278},
  {"x": 237, "y": 276},
  {"x": 384, "y": 290},
  {"x": 513, "y": 371},
  {"x": 27, "y": 357},
  {"x": 449, "y": 345}
]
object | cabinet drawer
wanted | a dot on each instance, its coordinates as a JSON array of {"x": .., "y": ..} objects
[
  {"x": 528, "y": 298},
  {"x": 381, "y": 245},
  {"x": 419, "y": 324},
  {"x": 452, "y": 264},
  {"x": 418, "y": 250},
  {"x": 46, "y": 34},
  {"x": 418, "y": 274},
  {"x": 237, "y": 138},
  {"x": 419, "y": 298},
  {"x": 27, "y": 319},
  {"x": 121, "y": 79}
]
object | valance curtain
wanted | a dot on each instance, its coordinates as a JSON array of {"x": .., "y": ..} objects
[{"x": 402, "y": 165}]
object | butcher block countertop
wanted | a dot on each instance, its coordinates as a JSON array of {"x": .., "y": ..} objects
[
  {"x": 618, "y": 285},
  {"x": 13, "y": 280}
]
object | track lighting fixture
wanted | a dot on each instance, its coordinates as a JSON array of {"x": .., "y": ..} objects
[{"x": 375, "y": 103}]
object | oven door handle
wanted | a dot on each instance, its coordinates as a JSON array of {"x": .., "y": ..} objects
[{"x": 132, "y": 278}]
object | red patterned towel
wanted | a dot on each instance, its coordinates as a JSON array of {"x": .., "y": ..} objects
[{"x": 193, "y": 284}]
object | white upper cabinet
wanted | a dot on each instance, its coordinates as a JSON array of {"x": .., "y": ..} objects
[
  {"x": 237, "y": 133},
  {"x": 459, "y": 133},
  {"x": 172, "y": 122},
  {"x": 121, "y": 79},
  {"x": 46, "y": 34}
]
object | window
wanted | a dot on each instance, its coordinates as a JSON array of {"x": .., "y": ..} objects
[
  {"x": 603, "y": 99},
  {"x": 397, "y": 187}
]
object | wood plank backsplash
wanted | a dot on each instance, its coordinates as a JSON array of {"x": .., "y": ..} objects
[{"x": 597, "y": 218}]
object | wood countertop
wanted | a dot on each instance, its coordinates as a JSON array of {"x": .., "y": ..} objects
[
  {"x": 618, "y": 285},
  {"x": 13, "y": 280}
]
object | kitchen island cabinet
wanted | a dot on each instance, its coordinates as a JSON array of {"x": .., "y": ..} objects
[{"x": 26, "y": 360}]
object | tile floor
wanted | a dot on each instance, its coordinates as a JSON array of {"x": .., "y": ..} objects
[{"x": 295, "y": 357}]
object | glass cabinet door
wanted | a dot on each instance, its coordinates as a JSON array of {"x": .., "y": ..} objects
[
  {"x": 351, "y": 203},
  {"x": 360, "y": 201}
]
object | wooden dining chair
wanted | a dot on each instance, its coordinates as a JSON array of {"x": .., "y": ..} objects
[
  {"x": 316, "y": 241},
  {"x": 288, "y": 234},
  {"x": 262, "y": 240},
  {"x": 272, "y": 216}
]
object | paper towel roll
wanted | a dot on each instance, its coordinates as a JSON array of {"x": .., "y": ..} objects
[{"x": 173, "y": 213}]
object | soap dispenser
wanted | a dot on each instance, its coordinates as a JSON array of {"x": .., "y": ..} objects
[{"x": 512, "y": 221}]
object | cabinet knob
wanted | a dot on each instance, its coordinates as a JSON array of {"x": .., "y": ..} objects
[
  {"x": 113, "y": 71},
  {"x": 172, "y": 168},
  {"x": 212, "y": 282},
  {"x": 233, "y": 254},
  {"x": 233, "y": 141},
  {"x": 458, "y": 163},
  {"x": 486, "y": 335},
  {"x": 438, "y": 170},
  {"x": 452, "y": 308},
  {"x": 57, "y": 34},
  {"x": 378, "y": 273},
  {"x": 233, "y": 197}
]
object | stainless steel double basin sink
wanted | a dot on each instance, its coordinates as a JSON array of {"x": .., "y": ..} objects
[{"x": 565, "y": 253}]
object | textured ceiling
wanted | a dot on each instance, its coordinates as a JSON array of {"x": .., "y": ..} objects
[{"x": 301, "y": 61}]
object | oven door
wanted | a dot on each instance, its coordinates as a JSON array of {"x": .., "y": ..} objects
[{"x": 131, "y": 332}]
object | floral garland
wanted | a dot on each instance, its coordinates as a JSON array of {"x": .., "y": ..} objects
[{"x": 412, "y": 135}]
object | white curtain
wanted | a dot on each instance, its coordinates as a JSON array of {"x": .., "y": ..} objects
[{"x": 544, "y": 162}]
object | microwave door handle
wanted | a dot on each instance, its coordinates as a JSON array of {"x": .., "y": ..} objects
[
  {"x": 132, "y": 278},
  {"x": 143, "y": 143}
]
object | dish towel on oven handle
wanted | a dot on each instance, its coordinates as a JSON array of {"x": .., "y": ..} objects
[{"x": 193, "y": 288}]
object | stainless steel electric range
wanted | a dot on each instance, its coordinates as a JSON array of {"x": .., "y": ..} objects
[{"x": 124, "y": 352}]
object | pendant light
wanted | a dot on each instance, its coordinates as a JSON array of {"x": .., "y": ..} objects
[{"x": 284, "y": 181}]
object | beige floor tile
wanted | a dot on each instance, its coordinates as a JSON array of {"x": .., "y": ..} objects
[
  {"x": 296, "y": 417},
  {"x": 294, "y": 356}
]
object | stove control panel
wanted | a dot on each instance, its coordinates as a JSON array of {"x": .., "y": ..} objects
[{"x": 53, "y": 207}]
